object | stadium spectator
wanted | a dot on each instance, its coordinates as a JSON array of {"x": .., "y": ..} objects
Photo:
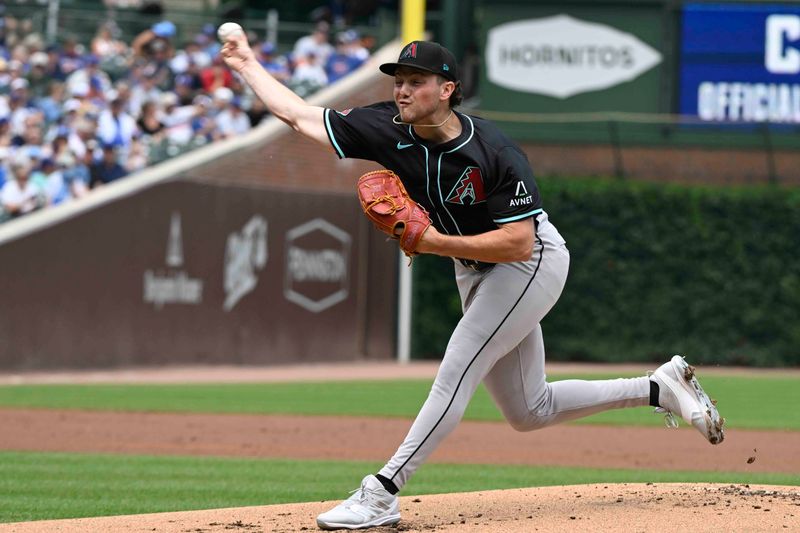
[
  {"x": 52, "y": 102},
  {"x": 53, "y": 68},
  {"x": 123, "y": 88},
  {"x": 216, "y": 75},
  {"x": 104, "y": 45},
  {"x": 107, "y": 169},
  {"x": 5, "y": 76},
  {"x": 56, "y": 190},
  {"x": 220, "y": 100},
  {"x": 177, "y": 119},
  {"x": 204, "y": 127},
  {"x": 59, "y": 147},
  {"x": 70, "y": 113},
  {"x": 207, "y": 39},
  {"x": 69, "y": 57},
  {"x": 192, "y": 55},
  {"x": 31, "y": 139},
  {"x": 115, "y": 126},
  {"x": 184, "y": 89},
  {"x": 149, "y": 122},
  {"x": 38, "y": 77},
  {"x": 20, "y": 194},
  {"x": 316, "y": 44},
  {"x": 137, "y": 155},
  {"x": 82, "y": 136},
  {"x": 90, "y": 75},
  {"x": 86, "y": 114},
  {"x": 309, "y": 75},
  {"x": 155, "y": 42},
  {"x": 276, "y": 65},
  {"x": 4, "y": 151},
  {"x": 87, "y": 107},
  {"x": 346, "y": 58},
  {"x": 16, "y": 69},
  {"x": 232, "y": 121},
  {"x": 362, "y": 45},
  {"x": 257, "y": 111},
  {"x": 18, "y": 108},
  {"x": 77, "y": 173},
  {"x": 5, "y": 133},
  {"x": 154, "y": 47},
  {"x": 19, "y": 54},
  {"x": 144, "y": 88}
]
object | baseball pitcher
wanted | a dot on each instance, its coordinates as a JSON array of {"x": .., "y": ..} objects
[{"x": 456, "y": 186}]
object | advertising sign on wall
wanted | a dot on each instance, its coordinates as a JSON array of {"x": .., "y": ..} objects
[
  {"x": 741, "y": 63},
  {"x": 562, "y": 56},
  {"x": 555, "y": 58},
  {"x": 192, "y": 273}
]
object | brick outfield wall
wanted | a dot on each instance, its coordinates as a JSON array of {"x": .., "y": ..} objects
[{"x": 687, "y": 165}]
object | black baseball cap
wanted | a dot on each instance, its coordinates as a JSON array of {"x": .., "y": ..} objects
[{"x": 428, "y": 56}]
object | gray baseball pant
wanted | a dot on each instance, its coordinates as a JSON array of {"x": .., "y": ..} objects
[{"x": 499, "y": 341}]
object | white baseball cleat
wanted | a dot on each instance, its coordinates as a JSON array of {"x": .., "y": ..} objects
[
  {"x": 369, "y": 506},
  {"x": 680, "y": 393}
]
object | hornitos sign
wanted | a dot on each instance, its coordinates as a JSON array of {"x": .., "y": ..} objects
[
  {"x": 562, "y": 56},
  {"x": 172, "y": 285}
]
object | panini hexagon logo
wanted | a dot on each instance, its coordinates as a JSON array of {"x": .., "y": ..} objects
[{"x": 317, "y": 265}]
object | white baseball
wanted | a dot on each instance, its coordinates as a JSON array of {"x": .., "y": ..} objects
[{"x": 227, "y": 30}]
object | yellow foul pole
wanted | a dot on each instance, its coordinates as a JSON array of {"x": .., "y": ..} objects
[{"x": 413, "y": 20}]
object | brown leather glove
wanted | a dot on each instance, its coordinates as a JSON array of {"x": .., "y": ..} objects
[{"x": 387, "y": 204}]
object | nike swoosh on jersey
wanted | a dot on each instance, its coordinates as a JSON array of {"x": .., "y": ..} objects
[{"x": 401, "y": 146}]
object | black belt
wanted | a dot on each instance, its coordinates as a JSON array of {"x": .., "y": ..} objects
[{"x": 478, "y": 266}]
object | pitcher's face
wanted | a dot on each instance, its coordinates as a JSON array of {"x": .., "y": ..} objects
[{"x": 419, "y": 95}]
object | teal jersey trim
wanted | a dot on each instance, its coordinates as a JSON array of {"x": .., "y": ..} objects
[
  {"x": 441, "y": 198},
  {"x": 427, "y": 178},
  {"x": 331, "y": 136},
  {"x": 518, "y": 217},
  {"x": 471, "y": 133}
]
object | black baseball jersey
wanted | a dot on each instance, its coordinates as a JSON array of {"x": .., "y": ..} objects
[{"x": 469, "y": 184}]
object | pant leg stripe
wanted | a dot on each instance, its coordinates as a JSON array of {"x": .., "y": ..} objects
[{"x": 452, "y": 399}]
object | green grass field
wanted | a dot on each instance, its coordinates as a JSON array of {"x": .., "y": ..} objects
[
  {"x": 746, "y": 402},
  {"x": 36, "y": 486}
]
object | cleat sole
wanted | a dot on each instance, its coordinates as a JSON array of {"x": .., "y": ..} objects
[{"x": 714, "y": 423}]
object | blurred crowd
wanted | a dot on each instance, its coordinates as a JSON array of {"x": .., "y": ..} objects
[{"x": 75, "y": 116}]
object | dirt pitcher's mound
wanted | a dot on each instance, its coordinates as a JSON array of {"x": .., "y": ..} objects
[{"x": 625, "y": 507}]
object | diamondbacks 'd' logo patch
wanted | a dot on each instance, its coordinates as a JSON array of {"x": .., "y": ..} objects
[
  {"x": 468, "y": 189},
  {"x": 410, "y": 51}
]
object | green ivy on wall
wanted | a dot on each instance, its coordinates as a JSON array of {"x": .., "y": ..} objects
[{"x": 711, "y": 273}]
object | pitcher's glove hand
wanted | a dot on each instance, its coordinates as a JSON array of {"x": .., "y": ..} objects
[{"x": 387, "y": 204}]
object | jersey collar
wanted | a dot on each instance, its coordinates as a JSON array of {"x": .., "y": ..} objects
[{"x": 466, "y": 133}]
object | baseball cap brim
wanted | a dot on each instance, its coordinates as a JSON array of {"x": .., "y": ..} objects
[{"x": 390, "y": 68}]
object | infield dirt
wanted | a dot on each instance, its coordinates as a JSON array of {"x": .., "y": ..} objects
[{"x": 627, "y": 507}]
